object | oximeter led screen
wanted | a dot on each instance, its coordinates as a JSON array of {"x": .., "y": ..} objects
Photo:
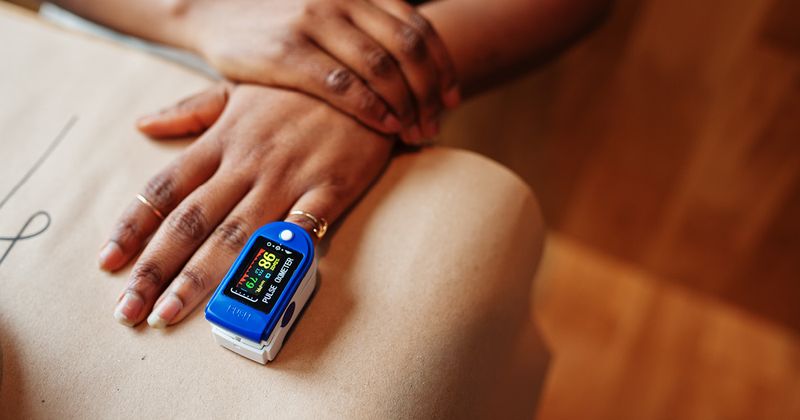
[{"x": 263, "y": 275}]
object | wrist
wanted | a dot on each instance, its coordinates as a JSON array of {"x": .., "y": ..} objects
[
  {"x": 191, "y": 23},
  {"x": 181, "y": 27}
]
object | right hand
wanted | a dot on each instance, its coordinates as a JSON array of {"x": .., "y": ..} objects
[
  {"x": 377, "y": 60},
  {"x": 263, "y": 153}
]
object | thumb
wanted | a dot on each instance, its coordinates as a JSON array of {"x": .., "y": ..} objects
[{"x": 191, "y": 116}]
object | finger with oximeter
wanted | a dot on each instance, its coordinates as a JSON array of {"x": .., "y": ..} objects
[{"x": 263, "y": 292}]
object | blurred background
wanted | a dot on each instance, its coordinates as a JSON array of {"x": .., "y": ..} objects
[{"x": 665, "y": 151}]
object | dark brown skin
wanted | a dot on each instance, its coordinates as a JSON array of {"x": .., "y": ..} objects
[
  {"x": 370, "y": 59},
  {"x": 376, "y": 60},
  {"x": 320, "y": 160},
  {"x": 238, "y": 175}
]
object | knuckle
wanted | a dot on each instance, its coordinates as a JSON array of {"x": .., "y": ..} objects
[
  {"x": 280, "y": 50},
  {"x": 190, "y": 223},
  {"x": 412, "y": 44},
  {"x": 233, "y": 234},
  {"x": 421, "y": 24},
  {"x": 337, "y": 188},
  {"x": 160, "y": 190},
  {"x": 315, "y": 9},
  {"x": 311, "y": 9},
  {"x": 337, "y": 182},
  {"x": 339, "y": 80},
  {"x": 378, "y": 61},
  {"x": 195, "y": 279},
  {"x": 126, "y": 231},
  {"x": 146, "y": 275}
]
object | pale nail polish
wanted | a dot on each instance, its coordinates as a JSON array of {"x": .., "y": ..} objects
[
  {"x": 165, "y": 312},
  {"x": 128, "y": 308},
  {"x": 146, "y": 120},
  {"x": 110, "y": 256}
]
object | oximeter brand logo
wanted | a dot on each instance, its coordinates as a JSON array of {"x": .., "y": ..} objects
[{"x": 239, "y": 313}]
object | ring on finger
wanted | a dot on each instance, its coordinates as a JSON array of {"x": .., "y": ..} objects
[
  {"x": 150, "y": 205},
  {"x": 320, "y": 225}
]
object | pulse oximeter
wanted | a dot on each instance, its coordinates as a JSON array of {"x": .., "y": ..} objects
[{"x": 263, "y": 292}]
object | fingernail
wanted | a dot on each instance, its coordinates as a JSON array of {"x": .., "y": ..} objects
[
  {"x": 128, "y": 308},
  {"x": 452, "y": 97},
  {"x": 110, "y": 256},
  {"x": 145, "y": 120},
  {"x": 414, "y": 135},
  {"x": 392, "y": 124},
  {"x": 165, "y": 312}
]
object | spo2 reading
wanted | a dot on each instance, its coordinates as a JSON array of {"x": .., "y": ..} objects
[{"x": 262, "y": 276}]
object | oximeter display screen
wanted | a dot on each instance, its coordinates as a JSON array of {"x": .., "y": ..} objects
[{"x": 263, "y": 275}]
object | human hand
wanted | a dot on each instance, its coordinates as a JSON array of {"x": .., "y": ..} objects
[
  {"x": 263, "y": 152},
  {"x": 377, "y": 60}
]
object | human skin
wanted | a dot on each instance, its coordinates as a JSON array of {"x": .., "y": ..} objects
[
  {"x": 486, "y": 42},
  {"x": 375, "y": 60},
  {"x": 502, "y": 39},
  {"x": 247, "y": 169}
]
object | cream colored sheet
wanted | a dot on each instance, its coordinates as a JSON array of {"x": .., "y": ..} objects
[{"x": 423, "y": 304}]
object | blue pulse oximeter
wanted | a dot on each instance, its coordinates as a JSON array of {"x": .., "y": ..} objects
[{"x": 263, "y": 292}]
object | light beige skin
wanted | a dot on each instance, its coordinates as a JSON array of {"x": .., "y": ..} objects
[{"x": 264, "y": 151}]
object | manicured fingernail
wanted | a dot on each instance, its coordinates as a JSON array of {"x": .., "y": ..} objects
[
  {"x": 146, "y": 120},
  {"x": 110, "y": 256},
  {"x": 128, "y": 308},
  {"x": 165, "y": 312},
  {"x": 452, "y": 97},
  {"x": 392, "y": 124},
  {"x": 414, "y": 135}
]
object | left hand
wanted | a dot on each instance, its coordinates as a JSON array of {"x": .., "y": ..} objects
[
  {"x": 380, "y": 61},
  {"x": 263, "y": 153}
]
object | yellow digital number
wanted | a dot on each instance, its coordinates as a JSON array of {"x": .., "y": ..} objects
[{"x": 265, "y": 260}]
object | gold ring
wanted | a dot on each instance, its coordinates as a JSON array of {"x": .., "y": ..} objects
[
  {"x": 151, "y": 206},
  {"x": 320, "y": 224}
]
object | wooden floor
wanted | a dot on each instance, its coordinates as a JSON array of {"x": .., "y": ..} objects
[
  {"x": 671, "y": 139},
  {"x": 665, "y": 150},
  {"x": 627, "y": 345}
]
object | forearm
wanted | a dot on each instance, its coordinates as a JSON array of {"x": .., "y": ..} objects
[
  {"x": 492, "y": 41},
  {"x": 161, "y": 21}
]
